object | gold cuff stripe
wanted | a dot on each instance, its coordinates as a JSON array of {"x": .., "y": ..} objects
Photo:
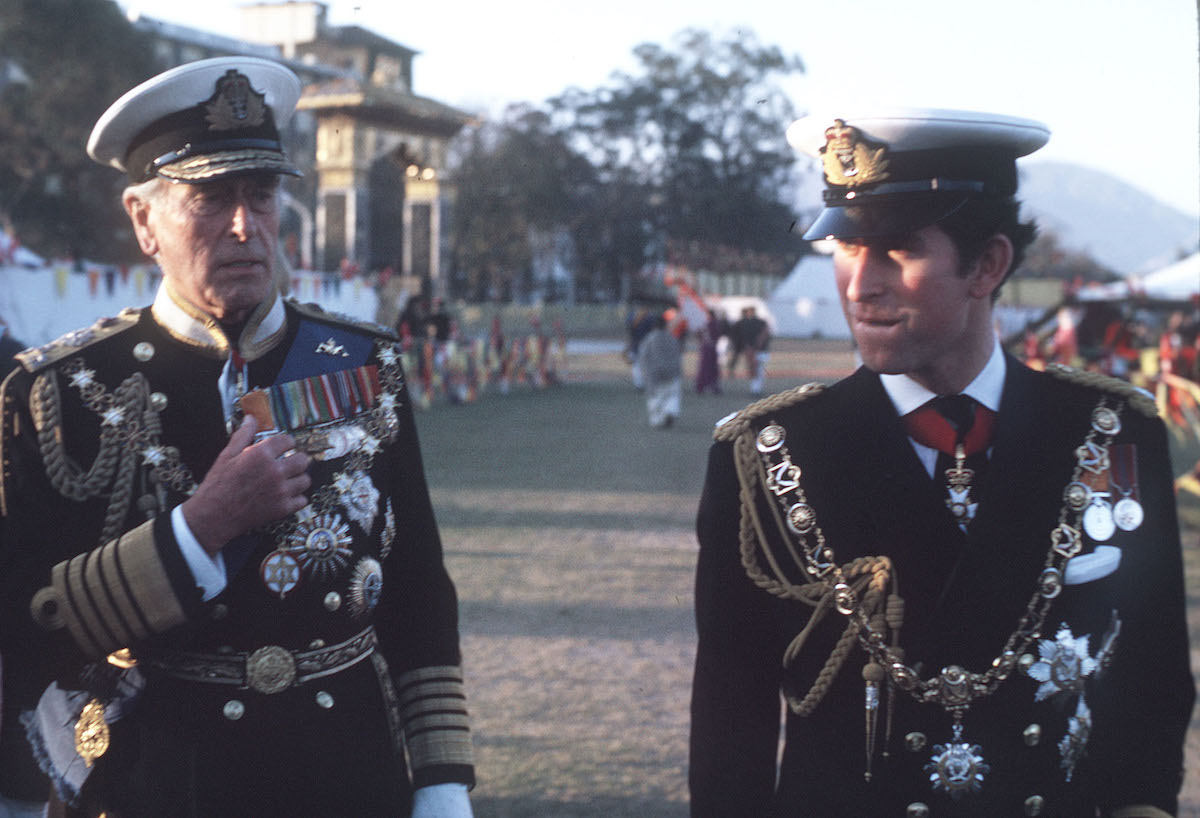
[
  {"x": 442, "y": 746},
  {"x": 86, "y": 622},
  {"x": 60, "y": 579},
  {"x": 425, "y": 682},
  {"x": 446, "y": 687},
  {"x": 117, "y": 593},
  {"x": 411, "y": 711},
  {"x": 434, "y": 714},
  {"x": 101, "y": 598},
  {"x": 432, "y": 673},
  {"x": 441, "y": 720},
  {"x": 118, "y": 585},
  {"x": 146, "y": 580},
  {"x": 1140, "y": 811}
]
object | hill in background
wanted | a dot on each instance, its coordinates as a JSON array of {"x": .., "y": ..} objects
[{"x": 1118, "y": 225}]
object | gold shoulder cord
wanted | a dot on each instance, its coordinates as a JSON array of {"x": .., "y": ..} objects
[
  {"x": 1135, "y": 398},
  {"x": 857, "y": 589},
  {"x": 129, "y": 433},
  {"x": 872, "y": 579}
]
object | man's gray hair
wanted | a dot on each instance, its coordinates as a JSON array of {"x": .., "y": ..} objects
[{"x": 148, "y": 191}]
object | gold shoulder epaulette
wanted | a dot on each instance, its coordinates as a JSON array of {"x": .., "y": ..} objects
[
  {"x": 730, "y": 427},
  {"x": 1138, "y": 399},
  {"x": 38, "y": 358},
  {"x": 319, "y": 313}
]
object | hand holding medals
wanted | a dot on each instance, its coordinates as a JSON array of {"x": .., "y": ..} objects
[{"x": 250, "y": 484}]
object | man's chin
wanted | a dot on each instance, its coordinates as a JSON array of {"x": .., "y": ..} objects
[{"x": 235, "y": 307}]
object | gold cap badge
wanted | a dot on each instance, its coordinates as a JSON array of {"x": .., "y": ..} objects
[
  {"x": 848, "y": 160},
  {"x": 235, "y": 104}
]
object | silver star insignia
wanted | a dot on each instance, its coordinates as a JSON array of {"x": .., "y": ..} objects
[
  {"x": 154, "y": 455},
  {"x": 389, "y": 356},
  {"x": 342, "y": 482},
  {"x": 83, "y": 377}
]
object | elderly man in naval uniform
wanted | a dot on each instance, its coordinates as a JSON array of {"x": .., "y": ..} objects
[
  {"x": 219, "y": 556},
  {"x": 953, "y": 581}
]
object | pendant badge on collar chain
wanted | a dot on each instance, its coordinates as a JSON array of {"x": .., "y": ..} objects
[
  {"x": 957, "y": 767},
  {"x": 958, "y": 485}
]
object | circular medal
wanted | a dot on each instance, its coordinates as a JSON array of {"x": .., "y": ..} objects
[
  {"x": 1098, "y": 520},
  {"x": 801, "y": 518},
  {"x": 280, "y": 572},
  {"x": 770, "y": 438},
  {"x": 1128, "y": 514},
  {"x": 366, "y": 587},
  {"x": 1050, "y": 583},
  {"x": 1077, "y": 495},
  {"x": 359, "y": 497},
  {"x": 1106, "y": 421},
  {"x": 956, "y": 768},
  {"x": 321, "y": 545}
]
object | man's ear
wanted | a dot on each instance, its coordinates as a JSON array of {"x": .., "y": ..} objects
[
  {"x": 138, "y": 208},
  {"x": 991, "y": 267}
]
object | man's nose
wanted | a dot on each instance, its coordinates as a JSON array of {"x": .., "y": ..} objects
[
  {"x": 242, "y": 223},
  {"x": 863, "y": 270}
]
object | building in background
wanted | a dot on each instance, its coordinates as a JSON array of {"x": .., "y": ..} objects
[{"x": 375, "y": 190}]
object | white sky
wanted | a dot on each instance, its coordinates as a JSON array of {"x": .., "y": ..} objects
[{"x": 1118, "y": 82}]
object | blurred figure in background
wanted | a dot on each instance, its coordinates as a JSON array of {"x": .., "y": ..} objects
[
  {"x": 708, "y": 373},
  {"x": 659, "y": 357}
]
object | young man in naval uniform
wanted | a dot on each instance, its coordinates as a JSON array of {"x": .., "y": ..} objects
[
  {"x": 972, "y": 606},
  {"x": 219, "y": 548}
]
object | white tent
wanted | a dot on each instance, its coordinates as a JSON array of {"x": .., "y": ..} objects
[
  {"x": 1175, "y": 282},
  {"x": 806, "y": 304}
]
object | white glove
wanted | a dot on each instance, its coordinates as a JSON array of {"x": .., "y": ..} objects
[{"x": 442, "y": 801}]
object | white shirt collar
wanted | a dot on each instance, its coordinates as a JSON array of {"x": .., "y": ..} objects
[
  {"x": 189, "y": 324},
  {"x": 907, "y": 395}
]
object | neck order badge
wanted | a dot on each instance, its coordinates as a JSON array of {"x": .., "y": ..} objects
[{"x": 957, "y": 767}]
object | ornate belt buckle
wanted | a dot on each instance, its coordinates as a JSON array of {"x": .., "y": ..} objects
[{"x": 270, "y": 669}]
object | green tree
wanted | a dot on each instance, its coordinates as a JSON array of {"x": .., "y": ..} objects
[
  {"x": 1047, "y": 258},
  {"x": 514, "y": 177},
  {"x": 74, "y": 57},
  {"x": 700, "y": 130}
]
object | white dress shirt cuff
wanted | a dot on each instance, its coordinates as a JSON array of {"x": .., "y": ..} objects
[{"x": 207, "y": 570}]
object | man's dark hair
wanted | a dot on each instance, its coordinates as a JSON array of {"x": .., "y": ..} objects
[{"x": 971, "y": 225}]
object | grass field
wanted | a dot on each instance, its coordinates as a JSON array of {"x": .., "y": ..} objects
[{"x": 568, "y": 526}]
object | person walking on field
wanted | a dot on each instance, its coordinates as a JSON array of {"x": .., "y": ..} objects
[
  {"x": 708, "y": 370},
  {"x": 660, "y": 357},
  {"x": 752, "y": 335}
]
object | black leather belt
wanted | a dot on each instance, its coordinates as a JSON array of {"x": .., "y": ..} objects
[{"x": 270, "y": 669}]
